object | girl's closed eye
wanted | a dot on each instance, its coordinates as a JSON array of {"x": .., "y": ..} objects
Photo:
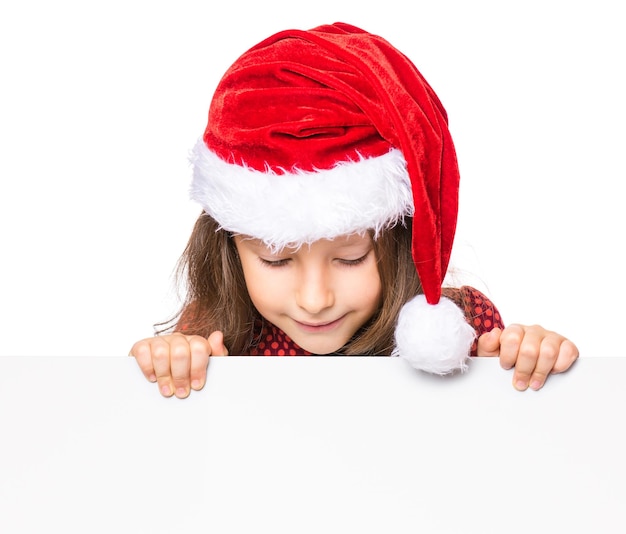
[
  {"x": 357, "y": 261},
  {"x": 281, "y": 262},
  {"x": 274, "y": 263}
]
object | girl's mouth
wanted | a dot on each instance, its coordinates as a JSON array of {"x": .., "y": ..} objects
[{"x": 319, "y": 327}]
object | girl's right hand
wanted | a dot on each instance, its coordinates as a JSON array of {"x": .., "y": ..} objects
[{"x": 177, "y": 362}]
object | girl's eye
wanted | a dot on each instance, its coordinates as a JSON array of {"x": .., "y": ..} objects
[
  {"x": 274, "y": 263},
  {"x": 351, "y": 263}
]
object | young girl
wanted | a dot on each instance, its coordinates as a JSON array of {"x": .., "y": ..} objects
[{"x": 329, "y": 186}]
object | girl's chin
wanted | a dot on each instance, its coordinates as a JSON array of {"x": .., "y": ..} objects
[{"x": 318, "y": 346}]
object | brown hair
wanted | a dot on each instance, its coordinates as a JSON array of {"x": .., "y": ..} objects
[{"x": 217, "y": 298}]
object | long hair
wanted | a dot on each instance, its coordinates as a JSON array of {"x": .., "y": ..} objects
[{"x": 217, "y": 298}]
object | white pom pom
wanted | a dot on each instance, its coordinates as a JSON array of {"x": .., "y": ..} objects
[{"x": 434, "y": 338}]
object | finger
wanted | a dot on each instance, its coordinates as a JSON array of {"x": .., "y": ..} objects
[
  {"x": 143, "y": 355},
  {"x": 160, "y": 349},
  {"x": 180, "y": 365},
  {"x": 216, "y": 340},
  {"x": 568, "y": 354},
  {"x": 510, "y": 342},
  {"x": 527, "y": 356},
  {"x": 548, "y": 352},
  {"x": 489, "y": 343},
  {"x": 200, "y": 351}
]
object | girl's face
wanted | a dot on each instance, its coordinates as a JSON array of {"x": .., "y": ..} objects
[{"x": 319, "y": 295}]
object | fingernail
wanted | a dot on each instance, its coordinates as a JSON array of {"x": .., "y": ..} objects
[
  {"x": 196, "y": 384},
  {"x": 535, "y": 385},
  {"x": 520, "y": 385},
  {"x": 152, "y": 378},
  {"x": 181, "y": 392},
  {"x": 165, "y": 390}
]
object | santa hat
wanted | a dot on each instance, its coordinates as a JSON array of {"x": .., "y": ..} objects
[{"x": 332, "y": 131}]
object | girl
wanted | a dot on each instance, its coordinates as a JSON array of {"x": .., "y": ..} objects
[{"x": 329, "y": 186}]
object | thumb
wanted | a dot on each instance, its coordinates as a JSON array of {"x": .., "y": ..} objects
[
  {"x": 216, "y": 341},
  {"x": 489, "y": 343}
]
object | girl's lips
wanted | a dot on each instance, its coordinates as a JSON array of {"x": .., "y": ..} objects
[{"x": 319, "y": 327}]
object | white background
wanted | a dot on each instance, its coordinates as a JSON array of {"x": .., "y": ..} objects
[{"x": 101, "y": 101}]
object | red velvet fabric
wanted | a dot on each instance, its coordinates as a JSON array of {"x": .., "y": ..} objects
[{"x": 309, "y": 99}]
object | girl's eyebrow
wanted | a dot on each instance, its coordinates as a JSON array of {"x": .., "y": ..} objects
[
  {"x": 259, "y": 246},
  {"x": 248, "y": 240},
  {"x": 355, "y": 244},
  {"x": 339, "y": 245},
  {"x": 361, "y": 248}
]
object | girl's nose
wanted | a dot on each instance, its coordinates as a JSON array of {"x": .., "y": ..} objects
[{"x": 315, "y": 292}]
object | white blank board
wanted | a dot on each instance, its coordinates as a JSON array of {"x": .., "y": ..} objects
[{"x": 318, "y": 444}]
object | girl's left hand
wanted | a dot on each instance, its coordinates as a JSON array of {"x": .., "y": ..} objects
[{"x": 534, "y": 352}]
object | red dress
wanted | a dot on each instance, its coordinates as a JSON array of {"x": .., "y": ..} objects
[{"x": 478, "y": 309}]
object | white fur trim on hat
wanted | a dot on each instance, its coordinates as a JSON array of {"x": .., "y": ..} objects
[
  {"x": 301, "y": 207},
  {"x": 434, "y": 338}
]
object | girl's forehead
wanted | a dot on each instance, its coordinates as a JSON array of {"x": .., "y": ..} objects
[{"x": 342, "y": 241}]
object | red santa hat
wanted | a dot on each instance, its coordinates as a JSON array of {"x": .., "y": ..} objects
[{"x": 332, "y": 131}]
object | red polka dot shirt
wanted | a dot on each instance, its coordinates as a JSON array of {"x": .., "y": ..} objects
[{"x": 478, "y": 309}]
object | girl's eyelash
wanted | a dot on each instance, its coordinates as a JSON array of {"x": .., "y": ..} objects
[
  {"x": 350, "y": 263},
  {"x": 273, "y": 263},
  {"x": 347, "y": 263}
]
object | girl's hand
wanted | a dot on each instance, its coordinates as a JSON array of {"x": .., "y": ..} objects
[
  {"x": 177, "y": 362},
  {"x": 534, "y": 352}
]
